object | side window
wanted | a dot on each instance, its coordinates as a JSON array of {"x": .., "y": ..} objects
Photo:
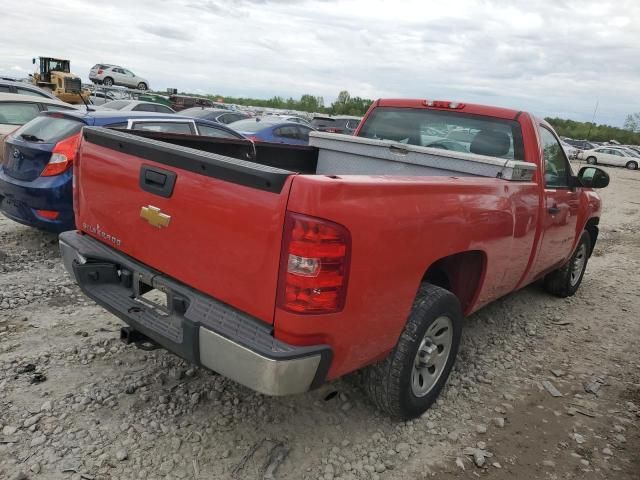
[
  {"x": 166, "y": 127},
  {"x": 556, "y": 166},
  {"x": 145, "y": 107},
  {"x": 287, "y": 132},
  {"x": 209, "y": 131},
  {"x": 303, "y": 133},
  {"x": 617, "y": 153},
  {"x": 5, "y": 89}
]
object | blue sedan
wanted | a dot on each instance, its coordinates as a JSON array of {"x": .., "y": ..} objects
[
  {"x": 273, "y": 130},
  {"x": 36, "y": 160}
]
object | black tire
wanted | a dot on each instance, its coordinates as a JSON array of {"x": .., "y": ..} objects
[
  {"x": 142, "y": 86},
  {"x": 389, "y": 382},
  {"x": 632, "y": 165},
  {"x": 592, "y": 160},
  {"x": 561, "y": 282},
  {"x": 108, "y": 81}
]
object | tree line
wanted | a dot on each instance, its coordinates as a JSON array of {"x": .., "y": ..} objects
[
  {"x": 345, "y": 104},
  {"x": 595, "y": 132}
]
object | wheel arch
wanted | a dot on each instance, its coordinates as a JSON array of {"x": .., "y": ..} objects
[{"x": 461, "y": 273}]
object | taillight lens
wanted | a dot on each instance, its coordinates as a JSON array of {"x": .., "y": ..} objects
[
  {"x": 62, "y": 156},
  {"x": 100, "y": 72},
  {"x": 314, "y": 267}
]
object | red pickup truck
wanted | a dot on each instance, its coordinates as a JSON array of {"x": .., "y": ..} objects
[{"x": 283, "y": 279}]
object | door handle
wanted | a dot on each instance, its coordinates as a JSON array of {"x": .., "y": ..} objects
[{"x": 553, "y": 210}]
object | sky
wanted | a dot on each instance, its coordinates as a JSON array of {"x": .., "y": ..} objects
[{"x": 550, "y": 57}]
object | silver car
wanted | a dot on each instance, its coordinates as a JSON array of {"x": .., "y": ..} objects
[{"x": 109, "y": 75}]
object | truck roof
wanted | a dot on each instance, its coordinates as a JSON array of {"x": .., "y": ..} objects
[{"x": 486, "y": 110}]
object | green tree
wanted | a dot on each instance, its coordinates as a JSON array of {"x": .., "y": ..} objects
[{"x": 632, "y": 122}]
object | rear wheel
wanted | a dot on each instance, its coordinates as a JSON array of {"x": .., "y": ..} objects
[
  {"x": 565, "y": 281},
  {"x": 108, "y": 81},
  {"x": 632, "y": 165},
  {"x": 592, "y": 160},
  {"x": 142, "y": 86},
  {"x": 409, "y": 380}
]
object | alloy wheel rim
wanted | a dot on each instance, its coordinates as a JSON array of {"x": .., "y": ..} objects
[
  {"x": 579, "y": 262},
  {"x": 432, "y": 356}
]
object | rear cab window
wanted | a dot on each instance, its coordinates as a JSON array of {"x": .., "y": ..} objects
[
  {"x": 461, "y": 132},
  {"x": 49, "y": 128}
]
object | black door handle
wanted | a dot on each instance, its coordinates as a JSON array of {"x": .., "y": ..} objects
[
  {"x": 157, "y": 180},
  {"x": 553, "y": 210}
]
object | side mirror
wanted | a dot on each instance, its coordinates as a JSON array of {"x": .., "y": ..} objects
[
  {"x": 33, "y": 60},
  {"x": 593, "y": 177}
]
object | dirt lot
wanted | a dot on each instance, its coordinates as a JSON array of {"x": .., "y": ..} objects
[{"x": 76, "y": 403}]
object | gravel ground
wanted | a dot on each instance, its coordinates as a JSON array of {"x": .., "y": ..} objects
[{"x": 76, "y": 403}]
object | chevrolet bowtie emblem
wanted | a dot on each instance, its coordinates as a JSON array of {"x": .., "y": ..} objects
[{"x": 154, "y": 216}]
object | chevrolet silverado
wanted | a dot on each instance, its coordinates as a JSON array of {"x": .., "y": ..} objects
[{"x": 285, "y": 278}]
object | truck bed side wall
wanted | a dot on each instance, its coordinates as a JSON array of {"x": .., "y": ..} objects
[{"x": 400, "y": 226}]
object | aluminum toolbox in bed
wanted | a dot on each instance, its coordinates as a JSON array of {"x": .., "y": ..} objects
[{"x": 348, "y": 155}]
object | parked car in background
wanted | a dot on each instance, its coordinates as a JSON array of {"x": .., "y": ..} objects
[
  {"x": 182, "y": 102},
  {"x": 581, "y": 144},
  {"x": 570, "y": 150},
  {"x": 272, "y": 129},
  {"x": 154, "y": 98},
  {"x": 16, "y": 110},
  {"x": 339, "y": 124},
  {"x": 610, "y": 156},
  {"x": 22, "y": 88},
  {"x": 215, "y": 114},
  {"x": 106, "y": 74},
  {"x": 136, "y": 106},
  {"x": 36, "y": 179}
]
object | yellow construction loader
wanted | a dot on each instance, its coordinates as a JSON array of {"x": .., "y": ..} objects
[{"x": 55, "y": 75}]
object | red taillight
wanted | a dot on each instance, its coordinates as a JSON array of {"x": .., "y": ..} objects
[
  {"x": 333, "y": 130},
  {"x": 314, "y": 266},
  {"x": 62, "y": 156},
  {"x": 253, "y": 138},
  {"x": 443, "y": 104},
  {"x": 48, "y": 214},
  {"x": 100, "y": 72}
]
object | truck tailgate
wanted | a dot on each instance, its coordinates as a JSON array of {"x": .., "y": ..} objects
[{"x": 212, "y": 222}]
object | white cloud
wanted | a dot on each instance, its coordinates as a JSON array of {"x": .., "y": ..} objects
[{"x": 549, "y": 57}]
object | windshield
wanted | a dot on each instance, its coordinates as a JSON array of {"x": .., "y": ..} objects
[{"x": 446, "y": 130}]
